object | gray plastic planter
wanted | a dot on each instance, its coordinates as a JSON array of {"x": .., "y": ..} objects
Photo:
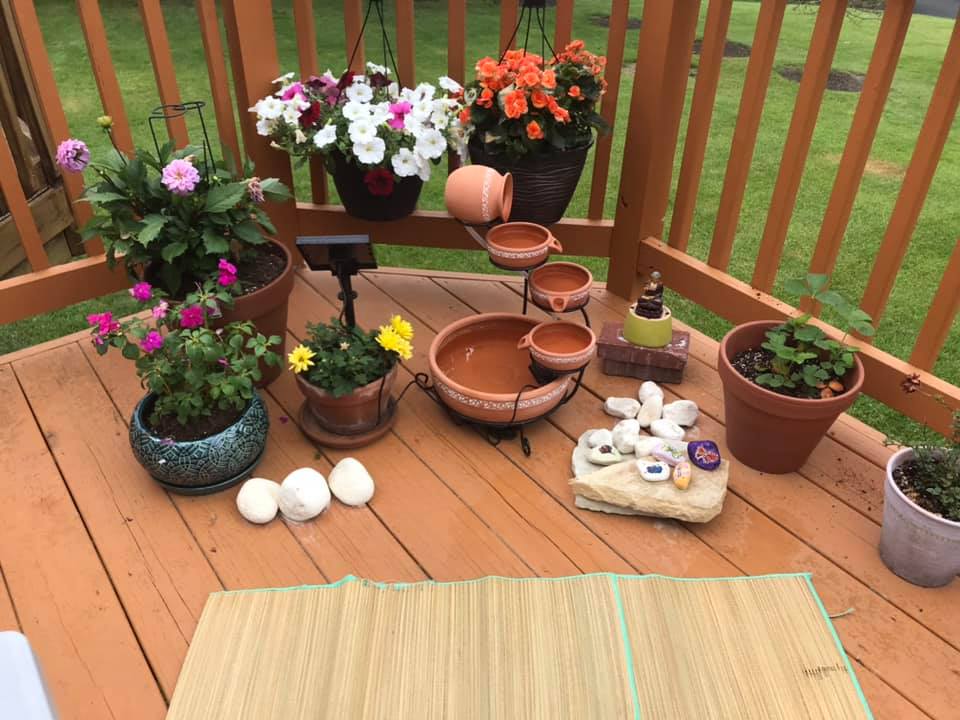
[{"x": 917, "y": 545}]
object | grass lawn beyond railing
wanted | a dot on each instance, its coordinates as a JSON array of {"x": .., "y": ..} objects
[{"x": 920, "y": 62}]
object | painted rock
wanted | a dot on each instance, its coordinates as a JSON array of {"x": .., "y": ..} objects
[
  {"x": 704, "y": 454},
  {"x": 672, "y": 453},
  {"x": 350, "y": 482},
  {"x": 649, "y": 389},
  {"x": 646, "y": 445},
  {"x": 681, "y": 475},
  {"x": 621, "y": 407},
  {"x": 653, "y": 471},
  {"x": 625, "y": 435},
  {"x": 682, "y": 412},
  {"x": 604, "y": 455},
  {"x": 303, "y": 494},
  {"x": 600, "y": 437},
  {"x": 651, "y": 410},
  {"x": 666, "y": 429},
  {"x": 257, "y": 500}
]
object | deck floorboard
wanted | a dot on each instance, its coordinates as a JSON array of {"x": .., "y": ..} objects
[{"x": 107, "y": 573}]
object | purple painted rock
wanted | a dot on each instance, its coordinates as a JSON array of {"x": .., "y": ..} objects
[{"x": 704, "y": 454}]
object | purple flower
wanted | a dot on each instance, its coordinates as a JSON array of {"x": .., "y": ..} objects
[
  {"x": 142, "y": 292},
  {"x": 153, "y": 341},
  {"x": 254, "y": 190},
  {"x": 159, "y": 310},
  {"x": 191, "y": 317},
  {"x": 399, "y": 110},
  {"x": 228, "y": 272},
  {"x": 73, "y": 155},
  {"x": 180, "y": 177}
]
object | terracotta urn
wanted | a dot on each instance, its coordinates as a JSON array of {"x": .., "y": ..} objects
[
  {"x": 560, "y": 346},
  {"x": 561, "y": 286},
  {"x": 520, "y": 245},
  {"x": 646, "y": 332},
  {"x": 357, "y": 412},
  {"x": 479, "y": 195},
  {"x": 480, "y": 373}
]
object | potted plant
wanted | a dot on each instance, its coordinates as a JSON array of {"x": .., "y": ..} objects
[
  {"x": 346, "y": 375},
  {"x": 379, "y": 141},
  {"x": 785, "y": 383},
  {"x": 920, "y": 539},
  {"x": 177, "y": 216},
  {"x": 535, "y": 120},
  {"x": 202, "y": 426}
]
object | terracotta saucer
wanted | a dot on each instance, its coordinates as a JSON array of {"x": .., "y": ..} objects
[{"x": 313, "y": 430}]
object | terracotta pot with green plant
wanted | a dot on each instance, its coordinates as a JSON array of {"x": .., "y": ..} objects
[
  {"x": 786, "y": 383},
  {"x": 173, "y": 216},
  {"x": 202, "y": 427},
  {"x": 346, "y": 375}
]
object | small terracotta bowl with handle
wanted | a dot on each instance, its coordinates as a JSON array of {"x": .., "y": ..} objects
[
  {"x": 560, "y": 346},
  {"x": 520, "y": 245},
  {"x": 561, "y": 286}
]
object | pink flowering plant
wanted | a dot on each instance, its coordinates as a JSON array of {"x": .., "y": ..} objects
[
  {"x": 192, "y": 368},
  {"x": 172, "y": 215}
]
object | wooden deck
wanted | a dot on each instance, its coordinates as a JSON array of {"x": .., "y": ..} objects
[{"x": 107, "y": 574}]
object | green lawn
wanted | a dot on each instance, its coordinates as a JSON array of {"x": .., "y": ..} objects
[{"x": 911, "y": 92}]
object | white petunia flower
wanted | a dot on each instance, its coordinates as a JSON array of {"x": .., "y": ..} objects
[
  {"x": 430, "y": 144},
  {"x": 412, "y": 125},
  {"x": 380, "y": 113},
  {"x": 325, "y": 136},
  {"x": 291, "y": 116},
  {"x": 404, "y": 163},
  {"x": 440, "y": 119},
  {"x": 373, "y": 69},
  {"x": 449, "y": 84},
  {"x": 286, "y": 77},
  {"x": 409, "y": 95},
  {"x": 361, "y": 131},
  {"x": 269, "y": 108},
  {"x": 265, "y": 126},
  {"x": 356, "y": 111},
  {"x": 422, "y": 109},
  {"x": 359, "y": 92},
  {"x": 299, "y": 136},
  {"x": 426, "y": 91},
  {"x": 370, "y": 152},
  {"x": 423, "y": 168}
]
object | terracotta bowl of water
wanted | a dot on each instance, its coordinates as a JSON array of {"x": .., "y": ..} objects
[
  {"x": 520, "y": 245},
  {"x": 559, "y": 345},
  {"x": 561, "y": 286},
  {"x": 479, "y": 370}
]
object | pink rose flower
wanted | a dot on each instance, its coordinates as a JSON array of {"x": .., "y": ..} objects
[
  {"x": 73, "y": 155},
  {"x": 153, "y": 341},
  {"x": 191, "y": 317},
  {"x": 180, "y": 177},
  {"x": 142, "y": 292}
]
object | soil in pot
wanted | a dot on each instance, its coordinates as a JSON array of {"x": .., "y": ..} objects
[
  {"x": 167, "y": 426},
  {"x": 908, "y": 477},
  {"x": 752, "y": 363},
  {"x": 260, "y": 267}
]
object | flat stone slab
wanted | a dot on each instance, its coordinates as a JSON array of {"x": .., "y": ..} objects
[{"x": 619, "y": 489}]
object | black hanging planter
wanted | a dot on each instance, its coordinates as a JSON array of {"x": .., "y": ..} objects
[
  {"x": 359, "y": 202},
  {"x": 543, "y": 185}
]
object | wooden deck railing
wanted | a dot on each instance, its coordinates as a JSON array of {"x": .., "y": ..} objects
[{"x": 633, "y": 239}]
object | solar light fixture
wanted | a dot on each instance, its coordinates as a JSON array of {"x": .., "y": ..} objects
[{"x": 344, "y": 256}]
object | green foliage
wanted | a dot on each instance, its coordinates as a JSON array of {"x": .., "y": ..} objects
[
  {"x": 196, "y": 369},
  {"x": 346, "y": 358},
  {"x": 181, "y": 237},
  {"x": 805, "y": 360},
  {"x": 935, "y": 476}
]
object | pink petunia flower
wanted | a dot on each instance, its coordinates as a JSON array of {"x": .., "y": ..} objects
[
  {"x": 159, "y": 311},
  {"x": 228, "y": 272},
  {"x": 294, "y": 90},
  {"x": 180, "y": 177},
  {"x": 142, "y": 292},
  {"x": 191, "y": 317},
  {"x": 153, "y": 341},
  {"x": 73, "y": 155},
  {"x": 399, "y": 110}
]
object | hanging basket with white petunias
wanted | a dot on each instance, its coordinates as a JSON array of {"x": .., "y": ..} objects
[{"x": 379, "y": 141}]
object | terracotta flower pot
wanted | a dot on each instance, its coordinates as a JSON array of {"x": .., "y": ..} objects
[
  {"x": 559, "y": 345},
  {"x": 480, "y": 373},
  {"x": 561, "y": 286},
  {"x": 543, "y": 185},
  {"x": 210, "y": 464},
  {"x": 478, "y": 195},
  {"x": 359, "y": 202},
  {"x": 520, "y": 245},
  {"x": 917, "y": 545},
  {"x": 647, "y": 332},
  {"x": 771, "y": 432},
  {"x": 267, "y": 309},
  {"x": 353, "y": 414}
]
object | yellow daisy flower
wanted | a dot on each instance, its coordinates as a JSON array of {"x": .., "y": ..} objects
[
  {"x": 388, "y": 338},
  {"x": 301, "y": 358},
  {"x": 405, "y": 349},
  {"x": 403, "y": 328}
]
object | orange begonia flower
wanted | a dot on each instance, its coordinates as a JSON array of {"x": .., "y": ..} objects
[
  {"x": 549, "y": 79},
  {"x": 560, "y": 114},
  {"x": 515, "y": 104},
  {"x": 465, "y": 116},
  {"x": 487, "y": 67},
  {"x": 534, "y": 131},
  {"x": 574, "y": 91},
  {"x": 530, "y": 78},
  {"x": 539, "y": 99},
  {"x": 486, "y": 98}
]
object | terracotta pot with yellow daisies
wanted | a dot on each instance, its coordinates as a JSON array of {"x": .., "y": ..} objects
[{"x": 347, "y": 375}]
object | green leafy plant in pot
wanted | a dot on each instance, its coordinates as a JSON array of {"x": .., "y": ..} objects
[
  {"x": 202, "y": 426},
  {"x": 171, "y": 216},
  {"x": 785, "y": 383}
]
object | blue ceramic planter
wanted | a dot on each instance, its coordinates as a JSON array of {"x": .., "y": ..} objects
[{"x": 201, "y": 466}]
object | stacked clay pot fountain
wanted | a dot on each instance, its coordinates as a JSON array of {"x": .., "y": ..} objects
[{"x": 502, "y": 368}]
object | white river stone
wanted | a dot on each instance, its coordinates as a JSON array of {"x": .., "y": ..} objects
[
  {"x": 682, "y": 412},
  {"x": 651, "y": 410},
  {"x": 621, "y": 407},
  {"x": 625, "y": 435},
  {"x": 350, "y": 482},
  {"x": 666, "y": 429},
  {"x": 649, "y": 389},
  {"x": 257, "y": 500},
  {"x": 304, "y": 494}
]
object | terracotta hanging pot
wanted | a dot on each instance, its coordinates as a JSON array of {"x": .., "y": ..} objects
[
  {"x": 561, "y": 346},
  {"x": 520, "y": 245},
  {"x": 561, "y": 286},
  {"x": 768, "y": 431},
  {"x": 479, "y": 195},
  {"x": 358, "y": 200}
]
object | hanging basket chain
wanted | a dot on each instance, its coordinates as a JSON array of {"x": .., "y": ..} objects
[
  {"x": 528, "y": 11},
  {"x": 386, "y": 48}
]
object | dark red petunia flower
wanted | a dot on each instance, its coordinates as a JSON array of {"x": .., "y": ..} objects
[
  {"x": 379, "y": 181},
  {"x": 310, "y": 116},
  {"x": 346, "y": 80}
]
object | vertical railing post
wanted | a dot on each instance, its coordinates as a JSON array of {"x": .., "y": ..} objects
[{"x": 659, "y": 88}]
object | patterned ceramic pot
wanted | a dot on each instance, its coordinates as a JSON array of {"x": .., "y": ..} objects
[
  {"x": 520, "y": 245},
  {"x": 201, "y": 466},
  {"x": 480, "y": 373},
  {"x": 561, "y": 346},
  {"x": 561, "y": 286}
]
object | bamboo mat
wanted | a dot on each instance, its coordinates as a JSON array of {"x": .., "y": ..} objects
[{"x": 590, "y": 646}]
